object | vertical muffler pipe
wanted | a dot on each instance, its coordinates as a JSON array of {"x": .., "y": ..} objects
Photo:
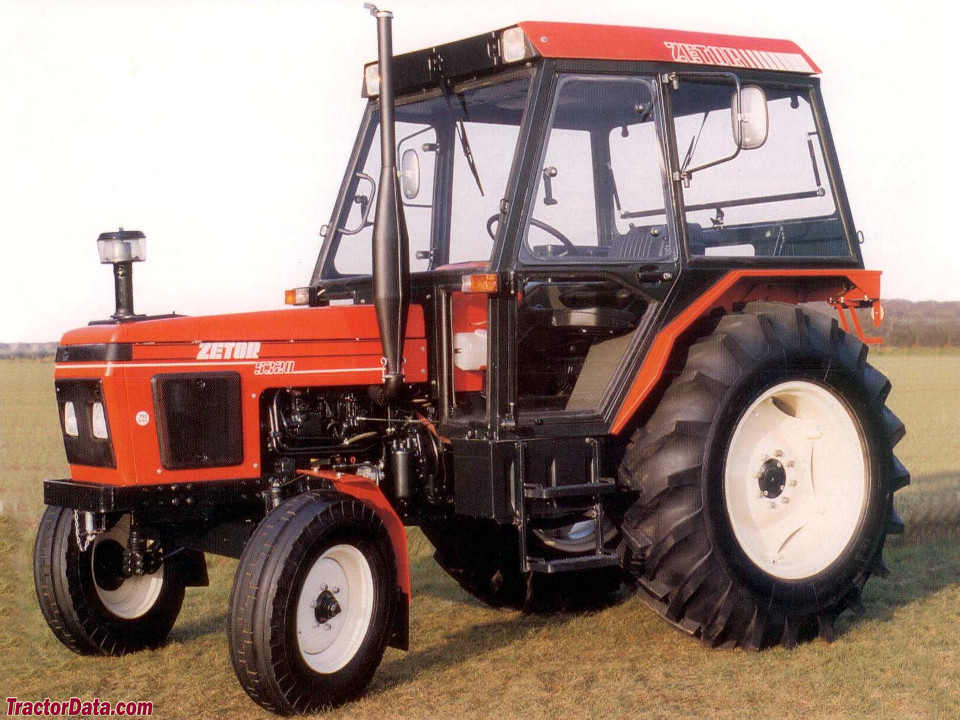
[{"x": 391, "y": 264}]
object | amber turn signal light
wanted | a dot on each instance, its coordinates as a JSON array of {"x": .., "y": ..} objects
[
  {"x": 297, "y": 296},
  {"x": 479, "y": 283}
]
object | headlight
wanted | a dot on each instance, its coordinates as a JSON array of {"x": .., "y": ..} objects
[
  {"x": 514, "y": 45},
  {"x": 371, "y": 79},
  {"x": 99, "y": 421},
  {"x": 70, "y": 420},
  {"x": 86, "y": 434}
]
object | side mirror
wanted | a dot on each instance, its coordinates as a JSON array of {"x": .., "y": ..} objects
[
  {"x": 362, "y": 201},
  {"x": 748, "y": 113},
  {"x": 410, "y": 174}
]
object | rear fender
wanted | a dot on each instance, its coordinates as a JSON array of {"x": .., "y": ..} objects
[{"x": 843, "y": 288}]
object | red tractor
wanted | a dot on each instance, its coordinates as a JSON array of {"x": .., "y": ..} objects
[{"x": 580, "y": 351}]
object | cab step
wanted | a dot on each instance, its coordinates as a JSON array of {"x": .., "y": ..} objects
[
  {"x": 604, "y": 486},
  {"x": 582, "y": 562}
]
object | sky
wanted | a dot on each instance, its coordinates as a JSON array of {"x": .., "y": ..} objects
[{"x": 221, "y": 129}]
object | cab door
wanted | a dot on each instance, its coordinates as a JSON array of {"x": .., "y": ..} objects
[{"x": 597, "y": 253}]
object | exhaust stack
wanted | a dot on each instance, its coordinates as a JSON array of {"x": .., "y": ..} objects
[{"x": 391, "y": 263}]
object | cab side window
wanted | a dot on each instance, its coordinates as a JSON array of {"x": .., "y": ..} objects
[
  {"x": 353, "y": 256},
  {"x": 600, "y": 190}
]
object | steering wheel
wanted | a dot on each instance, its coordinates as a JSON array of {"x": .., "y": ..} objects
[{"x": 568, "y": 246}]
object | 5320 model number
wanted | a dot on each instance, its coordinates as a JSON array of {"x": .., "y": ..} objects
[{"x": 274, "y": 367}]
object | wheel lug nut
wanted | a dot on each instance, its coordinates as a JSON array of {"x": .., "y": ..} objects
[
  {"x": 792, "y": 483},
  {"x": 334, "y": 590},
  {"x": 326, "y": 626},
  {"x": 785, "y": 500},
  {"x": 778, "y": 453},
  {"x": 773, "y": 504}
]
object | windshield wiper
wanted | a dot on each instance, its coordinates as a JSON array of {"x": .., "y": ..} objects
[
  {"x": 694, "y": 141},
  {"x": 458, "y": 122}
]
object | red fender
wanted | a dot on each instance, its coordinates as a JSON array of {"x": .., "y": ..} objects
[{"x": 844, "y": 287}]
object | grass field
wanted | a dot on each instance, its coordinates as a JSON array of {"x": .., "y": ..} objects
[{"x": 899, "y": 660}]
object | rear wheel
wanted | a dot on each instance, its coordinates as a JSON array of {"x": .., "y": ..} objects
[
  {"x": 796, "y": 481},
  {"x": 766, "y": 479},
  {"x": 312, "y": 605},
  {"x": 91, "y": 606}
]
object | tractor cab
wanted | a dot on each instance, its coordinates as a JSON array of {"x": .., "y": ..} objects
[{"x": 563, "y": 186}]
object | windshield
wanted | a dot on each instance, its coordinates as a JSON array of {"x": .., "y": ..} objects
[
  {"x": 455, "y": 153},
  {"x": 774, "y": 200}
]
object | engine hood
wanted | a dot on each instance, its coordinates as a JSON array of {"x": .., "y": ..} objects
[
  {"x": 151, "y": 374},
  {"x": 329, "y": 343},
  {"x": 336, "y": 323}
]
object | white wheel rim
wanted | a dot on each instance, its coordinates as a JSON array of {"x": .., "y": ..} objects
[
  {"x": 341, "y": 575},
  {"x": 137, "y": 594},
  {"x": 802, "y": 444}
]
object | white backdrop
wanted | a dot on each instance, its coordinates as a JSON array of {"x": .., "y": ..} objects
[{"x": 221, "y": 130}]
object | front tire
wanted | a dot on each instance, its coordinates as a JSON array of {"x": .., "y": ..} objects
[
  {"x": 312, "y": 606},
  {"x": 87, "y": 602},
  {"x": 766, "y": 479}
]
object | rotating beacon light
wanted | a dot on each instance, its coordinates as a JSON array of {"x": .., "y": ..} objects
[{"x": 121, "y": 249}]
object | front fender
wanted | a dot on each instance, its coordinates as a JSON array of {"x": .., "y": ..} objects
[{"x": 367, "y": 491}]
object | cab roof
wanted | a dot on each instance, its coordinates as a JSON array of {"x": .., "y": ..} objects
[
  {"x": 614, "y": 42},
  {"x": 489, "y": 52}
]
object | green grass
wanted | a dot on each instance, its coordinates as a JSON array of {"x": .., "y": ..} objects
[
  {"x": 900, "y": 660},
  {"x": 926, "y": 396}
]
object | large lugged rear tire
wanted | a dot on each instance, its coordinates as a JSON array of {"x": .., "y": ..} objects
[
  {"x": 766, "y": 479},
  {"x": 312, "y": 606},
  {"x": 90, "y": 606}
]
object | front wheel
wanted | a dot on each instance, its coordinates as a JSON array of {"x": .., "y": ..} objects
[
  {"x": 88, "y": 602},
  {"x": 312, "y": 605},
  {"x": 766, "y": 479}
]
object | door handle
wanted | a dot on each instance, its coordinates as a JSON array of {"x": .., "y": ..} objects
[{"x": 653, "y": 275}]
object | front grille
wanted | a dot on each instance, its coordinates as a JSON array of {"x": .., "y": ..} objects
[
  {"x": 198, "y": 420},
  {"x": 84, "y": 448}
]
